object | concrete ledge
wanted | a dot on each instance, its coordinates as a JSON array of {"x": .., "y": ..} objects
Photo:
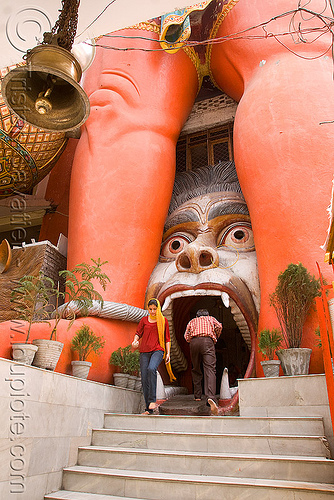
[
  {"x": 44, "y": 418},
  {"x": 295, "y": 396}
]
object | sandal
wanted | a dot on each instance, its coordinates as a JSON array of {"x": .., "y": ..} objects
[{"x": 148, "y": 411}]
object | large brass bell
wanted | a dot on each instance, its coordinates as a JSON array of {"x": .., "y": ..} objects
[
  {"x": 46, "y": 92},
  {"x": 5, "y": 256}
]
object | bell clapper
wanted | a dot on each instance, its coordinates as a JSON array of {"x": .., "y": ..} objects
[{"x": 43, "y": 104}]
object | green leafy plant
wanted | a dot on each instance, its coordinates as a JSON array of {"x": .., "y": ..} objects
[
  {"x": 269, "y": 342},
  {"x": 30, "y": 299},
  {"x": 126, "y": 360},
  {"x": 318, "y": 339},
  {"x": 292, "y": 299},
  {"x": 85, "y": 341},
  {"x": 134, "y": 363},
  {"x": 80, "y": 291}
]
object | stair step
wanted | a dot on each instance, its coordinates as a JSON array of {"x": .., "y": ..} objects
[
  {"x": 293, "y": 468},
  {"x": 79, "y": 495},
  {"x": 310, "y": 426},
  {"x": 315, "y": 446},
  {"x": 151, "y": 485}
]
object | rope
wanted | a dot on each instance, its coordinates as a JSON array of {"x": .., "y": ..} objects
[{"x": 110, "y": 310}]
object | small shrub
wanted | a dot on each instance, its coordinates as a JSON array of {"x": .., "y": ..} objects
[
  {"x": 79, "y": 290},
  {"x": 30, "y": 299},
  {"x": 292, "y": 299},
  {"x": 126, "y": 360},
  {"x": 85, "y": 341},
  {"x": 269, "y": 342}
]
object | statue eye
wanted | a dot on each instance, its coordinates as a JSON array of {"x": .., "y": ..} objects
[
  {"x": 174, "y": 245},
  {"x": 239, "y": 236}
]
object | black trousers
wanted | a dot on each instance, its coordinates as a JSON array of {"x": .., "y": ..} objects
[{"x": 202, "y": 350}]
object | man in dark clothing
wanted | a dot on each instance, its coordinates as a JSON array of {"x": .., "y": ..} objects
[{"x": 202, "y": 333}]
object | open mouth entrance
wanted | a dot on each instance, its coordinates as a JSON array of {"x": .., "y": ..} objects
[{"x": 232, "y": 350}]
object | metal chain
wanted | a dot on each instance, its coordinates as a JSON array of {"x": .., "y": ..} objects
[{"x": 66, "y": 25}]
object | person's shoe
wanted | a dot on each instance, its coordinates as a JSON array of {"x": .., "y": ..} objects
[{"x": 213, "y": 406}]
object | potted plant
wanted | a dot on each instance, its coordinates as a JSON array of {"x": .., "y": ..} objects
[
  {"x": 269, "y": 342},
  {"x": 121, "y": 358},
  {"x": 84, "y": 342},
  {"x": 136, "y": 363},
  {"x": 292, "y": 299},
  {"x": 79, "y": 293},
  {"x": 30, "y": 299},
  {"x": 133, "y": 368}
]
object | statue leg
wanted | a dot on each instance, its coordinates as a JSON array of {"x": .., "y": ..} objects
[
  {"x": 123, "y": 174},
  {"x": 283, "y": 148},
  {"x": 123, "y": 170}
]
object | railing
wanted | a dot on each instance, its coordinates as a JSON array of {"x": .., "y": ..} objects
[{"x": 327, "y": 340}]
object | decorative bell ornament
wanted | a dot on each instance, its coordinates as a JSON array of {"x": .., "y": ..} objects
[{"x": 45, "y": 92}]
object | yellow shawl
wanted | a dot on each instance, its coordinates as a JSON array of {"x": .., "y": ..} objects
[{"x": 161, "y": 320}]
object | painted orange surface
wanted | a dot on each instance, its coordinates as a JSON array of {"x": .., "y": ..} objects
[
  {"x": 283, "y": 154},
  {"x": 124, "y": 164},
  {"x": 58, "y": 193},
  {"x": 123, "y": 170},
  {"x": 115, "y": 333}
]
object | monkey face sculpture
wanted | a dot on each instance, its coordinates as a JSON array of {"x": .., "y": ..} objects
[{"x": 208, "y": 252}]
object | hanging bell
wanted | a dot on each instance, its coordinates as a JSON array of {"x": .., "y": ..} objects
[{"x": 46, "y": 92}]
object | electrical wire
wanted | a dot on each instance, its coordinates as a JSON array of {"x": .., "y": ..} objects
[
  {"x": 234, "y": 263},
  {"x": 97, "y": 17},
  {"x": 299, "y": 32}
]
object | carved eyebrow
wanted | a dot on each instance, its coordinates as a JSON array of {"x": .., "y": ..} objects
[
  {"x": 181, "y": 218},
  {"x": 228, "y": 208}
]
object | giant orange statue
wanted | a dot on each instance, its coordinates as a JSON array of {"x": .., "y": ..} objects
[
  {"x": 123, "y": 169},
  {"x": 275, "y": 59}
]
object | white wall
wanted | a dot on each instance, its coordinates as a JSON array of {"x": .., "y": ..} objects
[
  {"x": 299, "y": 396},
  {"x": 44, "y": 417}
]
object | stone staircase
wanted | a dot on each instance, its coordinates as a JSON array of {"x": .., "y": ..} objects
[{"x": 201, "y": 458}]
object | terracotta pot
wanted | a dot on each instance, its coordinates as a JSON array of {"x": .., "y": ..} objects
[
  {"x": 24, "y": 353},
  {"x": 295, "y": 361},
  {"x": 49, "y": 352},
  {"x": 80, "y": 368},
  {"x": 271, "y": 367}
]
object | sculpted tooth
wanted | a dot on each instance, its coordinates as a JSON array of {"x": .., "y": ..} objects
[
  {"x": 188, "y": 293},
  {"x": 226, "y": 299},
  {"x": 241, "y": 323},
  {"x": 166, "y": 303},
  {"x": 168, "y": 314},
  {"x": 176, "y": 295},
  {"x": 207, "y": 292}
]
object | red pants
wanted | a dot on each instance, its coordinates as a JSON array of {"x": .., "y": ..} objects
[{"x": 202, "y": 350}]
